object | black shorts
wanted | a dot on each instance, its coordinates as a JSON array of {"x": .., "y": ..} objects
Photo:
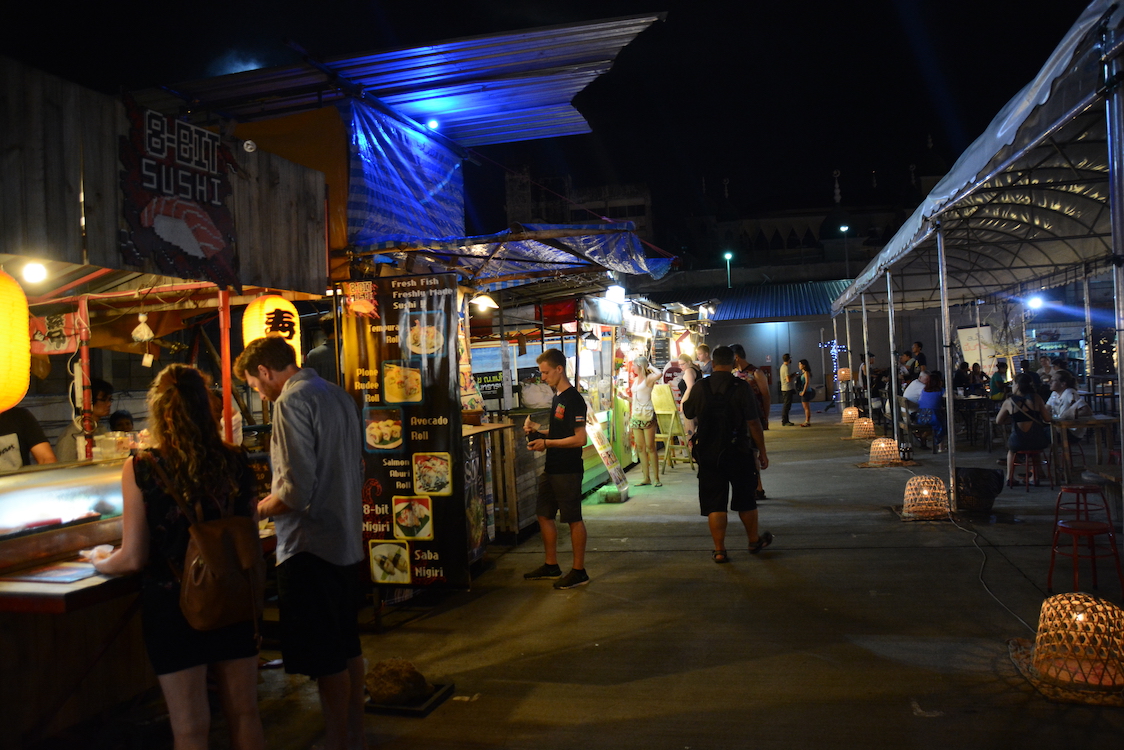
[
  {"x": 319, "y": 607},
  {"x": 717, "y": 487},
  {"x": 560, "y": 494}
]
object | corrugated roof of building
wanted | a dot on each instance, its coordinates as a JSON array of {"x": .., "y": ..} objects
[
  {"x": 497, "y": 88},
  {"x": 760, "y": 301}
]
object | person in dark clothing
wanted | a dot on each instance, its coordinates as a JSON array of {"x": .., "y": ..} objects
[
  {"x": 725, "y": 460},
  {"x": 323, "y": 358},
  {"x": 560, "y": 486},
  {"x": 21, "y": 440}
]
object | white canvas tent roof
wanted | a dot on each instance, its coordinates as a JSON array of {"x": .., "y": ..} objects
[{"x": 1027, "y": 204}]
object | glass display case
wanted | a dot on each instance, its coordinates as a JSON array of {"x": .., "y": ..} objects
[{"x": 49, "y": 497}]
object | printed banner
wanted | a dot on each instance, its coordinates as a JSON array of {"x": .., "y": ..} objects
[
  {"x": 605, "y": 450},
  {"x": 175, "y": 186},
  {"x": 400, "y": 364},
  {"x": 54, "y": 334}
]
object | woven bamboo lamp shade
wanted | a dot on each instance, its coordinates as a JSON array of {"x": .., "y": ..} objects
[
  {"x": 844, "y": 374},
  {"x": 883, "y": 450},
  {"x": 15, "y": 344},
  {"x": 1080, "y": 642},
  {"x": 925, "y": 497},
  {"x": 272, "y": 315},
  {"x": 850, "y": 414},
  {"x": 863, "y": 427}
]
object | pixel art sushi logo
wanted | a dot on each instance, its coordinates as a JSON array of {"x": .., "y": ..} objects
[{"x": 175, "y": 188}]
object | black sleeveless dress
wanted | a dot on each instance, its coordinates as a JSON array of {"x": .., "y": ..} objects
[
  {"x": 1037, "y": 437},
  {"x": 172, "y": 644}
]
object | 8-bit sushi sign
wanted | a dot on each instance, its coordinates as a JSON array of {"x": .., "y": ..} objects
[{"x": 175, "y": 186}]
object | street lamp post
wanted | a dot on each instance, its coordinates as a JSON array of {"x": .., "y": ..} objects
[
  {"x": 846, "y": 252},
  {"x": 728, "y": 257}
]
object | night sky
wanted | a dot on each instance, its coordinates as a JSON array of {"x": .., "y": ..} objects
[{"x": 772, "y": 96}]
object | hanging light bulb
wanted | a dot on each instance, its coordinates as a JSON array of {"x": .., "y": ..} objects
[{"x": 484, "y": 302}]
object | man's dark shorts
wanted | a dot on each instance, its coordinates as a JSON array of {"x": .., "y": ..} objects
[
  {"x": 319, "y": 607},
  {"x": 560, "y": 494},
  {"x": 715, "y": 489}
]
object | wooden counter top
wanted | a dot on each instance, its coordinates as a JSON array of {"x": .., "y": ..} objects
[{"x": 56, "y": 598}]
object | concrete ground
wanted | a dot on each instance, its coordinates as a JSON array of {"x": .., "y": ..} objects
[{"x": 854, "y": 630}]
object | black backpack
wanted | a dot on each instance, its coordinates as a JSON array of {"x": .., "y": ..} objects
[{"x": 720, "y": 435}]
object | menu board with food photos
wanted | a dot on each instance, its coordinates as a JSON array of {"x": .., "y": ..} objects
[{"x": 400, "y": 364}]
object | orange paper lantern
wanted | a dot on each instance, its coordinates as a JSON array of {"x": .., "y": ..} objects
[
  {"x": 271, "y": 315},
  {"x": 15, "y": 344}
]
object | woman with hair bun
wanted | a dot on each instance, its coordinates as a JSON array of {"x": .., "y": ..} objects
[{"x": 216, "y": 476}]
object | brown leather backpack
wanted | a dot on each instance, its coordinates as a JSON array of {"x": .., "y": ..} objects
[{"x": 223, "y": 577}]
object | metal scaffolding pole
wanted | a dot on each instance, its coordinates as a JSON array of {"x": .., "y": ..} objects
[
  {"x": 1114, "y": 112},
  {"x": 946, "y": 325},
  {"x": 863, "y": 358},
  {"x": 892, "y": 396}
]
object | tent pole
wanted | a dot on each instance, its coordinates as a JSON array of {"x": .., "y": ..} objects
[
  {"x": 979, "y": 338},
  {"x": 850, "y": 388},
  {"x": 1088, "y": 334},
  {"x": 835, "y": 345},
  {"x": 892, "y": 396},
  {"x": 509, "y": 373},
  {"x": 1114, "y": 111},
  {"x": 946, "y": 325},
  {"x": 864, "y": 358},
  {"x": 225, "y": 377}
]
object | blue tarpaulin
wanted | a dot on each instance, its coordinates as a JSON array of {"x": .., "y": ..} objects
[
  {"x": 514, "y": 256},
  {"x": 403, "y": 184}
]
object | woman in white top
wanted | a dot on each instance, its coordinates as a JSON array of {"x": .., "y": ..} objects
[{"x": 642, "y": 422}]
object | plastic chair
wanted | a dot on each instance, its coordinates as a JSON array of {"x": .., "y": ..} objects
[{"x": 1083, "y": 527}]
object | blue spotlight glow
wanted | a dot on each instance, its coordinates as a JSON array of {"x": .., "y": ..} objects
[
  {"x": 1034, "y": 303},
  {"x": 432, "y": 124}
]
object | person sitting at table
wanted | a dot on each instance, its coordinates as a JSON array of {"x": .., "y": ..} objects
[
  {"x": 977, "y": 381},
  {"x": 999, "y": 383},
  {"x": 1030, "y": 419},
  {"x": 929, "y": 409},
  {"x": 1065, "y": 402},
  {"x": 962, "y": 378},
  {"x": 912, "y": 392}
]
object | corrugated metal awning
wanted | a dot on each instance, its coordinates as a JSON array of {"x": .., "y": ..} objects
[
  {"x": 498, "y": 88},
  {"x": 758, "y": 302}
]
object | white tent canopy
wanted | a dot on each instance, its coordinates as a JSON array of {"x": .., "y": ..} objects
[
  {"x": 1027, "y": 202},
  {"x": 1034, "y": 202}
]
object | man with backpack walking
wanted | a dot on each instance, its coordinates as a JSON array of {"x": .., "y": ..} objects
[{"x": 727, "y": 419}]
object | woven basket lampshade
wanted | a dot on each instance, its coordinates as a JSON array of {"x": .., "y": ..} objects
[
  {"x": 844, "y": 374},
  {"x": 272, "y": 315},
  {"x": 15, "y": 344},
  {"x": 1080, "y": 643},
  {"x": 850, "y": 414},
  {"x": 883, "y": 450},
  {"x": 925, "y": 497},
  {"x": 863, "y": 427}
]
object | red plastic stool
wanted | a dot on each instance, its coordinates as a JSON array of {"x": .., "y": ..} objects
[
  {"x": 1083, "y": 527},
  {"x": 1036, "y": 457}
]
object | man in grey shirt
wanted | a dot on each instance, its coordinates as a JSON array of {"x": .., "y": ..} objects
[{"x": 316, "y": 504}]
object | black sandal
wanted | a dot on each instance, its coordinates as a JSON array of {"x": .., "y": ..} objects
[
  {"x": 720, "y": 556},
  {"x": 763, "y": 541}
]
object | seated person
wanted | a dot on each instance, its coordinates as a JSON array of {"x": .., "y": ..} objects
[
  {"x": 66, "y": 448},
  {"x": 21, "y": 440},
  {"x": 1065, "y": 402},
  {"x": 1000, "y": 386},
  {"x": 913, "y": 391},
  {"x": 962, "y": 378},
  {"x": 121, "y": 421}
]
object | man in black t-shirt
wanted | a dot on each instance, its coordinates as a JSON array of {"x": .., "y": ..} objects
[
  {"x": 728, "y": 477},
  {"x": 560, "y": 486},
  {"x": 21, "y": 439}
]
